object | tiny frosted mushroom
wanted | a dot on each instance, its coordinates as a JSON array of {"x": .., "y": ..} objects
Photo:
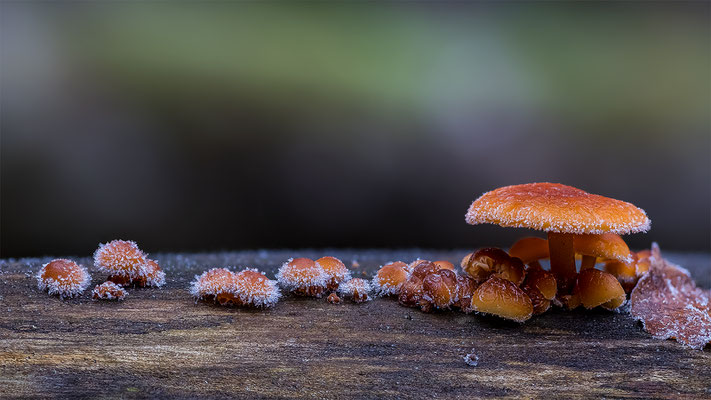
[
  {"x": 63, "y": 277},
  {"x": 411, "y": 292},
  {"x": 541, "y": 287},
  {"x": 390, "y": 278},
  {"x": 356, "y": 289},
  {"x": 441, "y": 264},
  {"x": 120, "y": 258},
  {"x": 303, "y": 277},
  {"x": 216, "y": 284},
  {"x": 492, "y": 261},
  {"x": 253, "y": 288},
  {"x": 598, "y": 288},
  {"x": 411, "y": 267},
  {"x": 562, "y": 211},
  {"x": 148, "y": 275},
  {"x": 607, "y": 246},
  {"x": 502, "y": 298},
  {"x": 336, "y": 271},
  {"x": 109, "y": 291},
  {"x": 333, "y": 298}
]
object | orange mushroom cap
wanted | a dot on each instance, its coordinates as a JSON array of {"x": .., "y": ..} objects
[
  {"x": 530, "y": 249},
  {"x": 606, "y": 245},
  {"x": 553, "y": 207}
]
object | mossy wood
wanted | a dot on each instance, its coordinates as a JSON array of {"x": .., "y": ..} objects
[{"x": 160, "y": 343}]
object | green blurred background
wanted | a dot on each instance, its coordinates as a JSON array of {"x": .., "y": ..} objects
[{"x": 228, "y": 126}]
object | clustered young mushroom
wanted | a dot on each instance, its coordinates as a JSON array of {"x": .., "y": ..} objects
[
  {"x": 249, "y": 288},
  {"x": 63, "y": 277}
]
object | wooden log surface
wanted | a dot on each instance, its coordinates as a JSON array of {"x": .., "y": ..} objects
[{"x": 161, "y": 343}]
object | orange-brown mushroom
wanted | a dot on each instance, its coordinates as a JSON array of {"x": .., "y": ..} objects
[
  {"x": 336, "y": 271},
  {"x": 530, "y": 250},
  {"x": 390, "y": 278},
  {"x": 599, "y": 288},
  {"x": 607, "y": 246},
  {"x": 302, "y": 276},
  {"x": 502, "y": 298},
  {"x": 493, "y": 261},
  {"x": 562, "y": 211},
  {"x": 440, "y": 288}
]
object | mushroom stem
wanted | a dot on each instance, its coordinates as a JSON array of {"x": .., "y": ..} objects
[
  {"x": 588, "y": 262},
  {"x": 562, "y": 258}
]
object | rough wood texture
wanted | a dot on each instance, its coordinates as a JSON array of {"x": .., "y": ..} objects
[{"x": 160, "y": 343}]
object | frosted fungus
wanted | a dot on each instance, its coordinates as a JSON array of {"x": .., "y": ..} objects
[
  {"x": 126, "y": 264},
  {"x": 390, "y": 278},
  {"x": 253, "y": 288},
  {"x": 598, "y": 288},
  {"x": 495, "y": 262},
  {"x": 333, "y": 298},
  {"x": 562, "y": 211},
  {"x": 356, "y": 289},
  {"x": 336, "y": 271},
  {"x": 502, "y": 298},
  {"x": 608, "y": 246},
  {"x": 63, "y": 277},
  {"x": 303, "y": 277},
  {"x": 109, "y": 291},
  {"x": 216, "y": 284}
]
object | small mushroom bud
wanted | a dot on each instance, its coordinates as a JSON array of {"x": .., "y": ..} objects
[
  {"x": 411, "y": 267},
  {"x": 63, "y": 277},
  {"x": 390, "y": 278},
  {"x": 303, "y": 277},
  {"x": 540, "y": 303},
  {"x": 465, "y": 289},
  {"x": 336, "y": 271},
  {"x": 643, "y": 262},
  {"x": 411, "y": 292},
  {"x": 599, "y": 288},
  {"x": 542, "y": 280},
  {"x": 626, "y": 273},
  {"x": 423, "y": 269},
  {"x": 502, "y": 298},
  {"x": 357, "y": 289},
  {"x": 217, "y": 284},
  {"x": 495, "y": 262},
  {"x": 440, "y": 288},
  {"x": 333, "y": 298},
  {"x": 441, "y": 264},
  {"x": 109, "y": 291}
]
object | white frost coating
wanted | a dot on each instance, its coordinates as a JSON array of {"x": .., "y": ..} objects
[
  {"x": 263, "y": 293},
  {"x": 110, "y": 259},
  {"x": 64, "y": 286},
  {"x": 471, "y": 359},
  {"x": 291, "y": 278},
  {"x": 108, "y": 293},
  {"x": 340, "y": 276},
  {"x": 361, "y": 286}
]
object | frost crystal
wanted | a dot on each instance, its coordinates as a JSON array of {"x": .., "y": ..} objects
[
  {"x": 302, "y": 276},
  {"x": 120, "y": 257},
  {"x": 255, "y": 289},
  {"x": 357, "y": 289},
  {"x": 471, "y": 359},
  {"x": 670, "y": 305}
]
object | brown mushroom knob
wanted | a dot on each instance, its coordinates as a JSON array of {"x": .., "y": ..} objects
[
  {"x": 63, "y": 277},
  {"x": 465, "y": 290},
  {"x": 440, "y": 288},
  {"x": 411, "y": 267},
  {"x": 336, "y": 271},
  {"x": 542, "y": 280},
  {"x": 606, "y": 246},
  {"x": 626, "y": 273},
  {"x": 540, "y": 303},
  {"x": 302, "y": 276},
  {"x": 109, "y": 291},
  {"x": 530, "y": 250},
  {"x": 390, "y": 278},
  {"x": 333, "y": 298},
  {"x": 643, "y": 262},
  {"x": 502, "y": 298},
  {"x": 562, "y": 211},
  {"x": 599, "y": 288},
  {"x": 424, "y": 268},
  {"x": 411, "y": 292},
  {"x": 493, "y": 261},
  {"x": 441, "y": 264}
]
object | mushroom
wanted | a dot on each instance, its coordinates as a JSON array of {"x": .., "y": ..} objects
[
  {"x": 563, "y": 212},
  {"x": 608, "y": 246},
  {"x": 530, "y": 250}
]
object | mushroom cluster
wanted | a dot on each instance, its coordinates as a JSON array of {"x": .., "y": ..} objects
[
  {"x": 249, "y": 288},
  {"x": 579, "y": 225}
]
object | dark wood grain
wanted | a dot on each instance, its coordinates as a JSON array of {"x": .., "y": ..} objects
[{"x": 160, "y": 343}]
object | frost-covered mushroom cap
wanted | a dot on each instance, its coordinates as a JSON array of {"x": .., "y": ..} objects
[{"x": 553, "y": 207}]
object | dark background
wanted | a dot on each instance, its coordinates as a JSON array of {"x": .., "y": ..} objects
[{"x": 228, "y": 126}]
